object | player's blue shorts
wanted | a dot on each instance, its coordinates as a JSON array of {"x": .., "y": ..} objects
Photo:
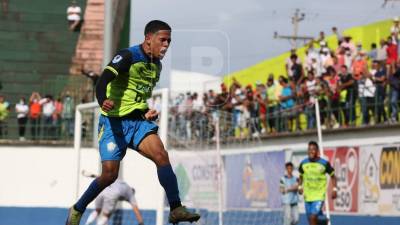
[
  {"x": 116, "y": 134},
  {"x": 314, "y": 208}
]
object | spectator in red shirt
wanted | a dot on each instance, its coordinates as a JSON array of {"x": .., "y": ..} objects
[
  {"x": 35, "y": 111},
  {"x": 391, "y": 52}
]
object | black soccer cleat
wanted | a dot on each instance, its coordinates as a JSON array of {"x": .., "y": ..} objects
[{"x": 181, "y": 214}]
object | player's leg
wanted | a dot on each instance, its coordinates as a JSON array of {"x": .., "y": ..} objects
[
  {"x": 151, "y": 147},
  {"x": 295, "y": 214},
  {"x": 286, "y": 214},
  {"x": 108, "y": 175}
]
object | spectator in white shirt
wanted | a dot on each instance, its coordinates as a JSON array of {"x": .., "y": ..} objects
[
  {"x": 48, "y": 109},
  {"x": 74, "y": 16},
  {"x": 22, "y": 110},
  {"x": 366, "y": 92}
]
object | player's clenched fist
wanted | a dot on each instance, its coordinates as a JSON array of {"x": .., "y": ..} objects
[
  {"x": 151, "y": 115},
  {"x": 107, "y": 105}
]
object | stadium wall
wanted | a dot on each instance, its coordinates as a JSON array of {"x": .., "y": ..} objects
[{"x": 40, "y": 182}]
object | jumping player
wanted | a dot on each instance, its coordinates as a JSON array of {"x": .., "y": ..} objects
[
  {"x": 313, "y": 182},
  {"x": 126, "y": 121},
  {"x": 107, "y": 200}
]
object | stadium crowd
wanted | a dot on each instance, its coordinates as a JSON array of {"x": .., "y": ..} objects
[
  {"x": 48, "y": 118},
  {"x": 353, "y": 86}
]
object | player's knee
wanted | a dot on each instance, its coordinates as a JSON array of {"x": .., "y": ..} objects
[
  {"x": 108, "y": 177},
  {"x": 161, "y": 158}
]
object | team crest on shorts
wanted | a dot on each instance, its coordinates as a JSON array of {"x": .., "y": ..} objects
[{"x": 111, "y": 146}]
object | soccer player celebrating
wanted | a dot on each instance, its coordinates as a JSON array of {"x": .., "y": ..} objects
[
  {"x": 126, "y": 121},
  {"x": 107, "y": 200},
  {"x": 313, "y": 182}
]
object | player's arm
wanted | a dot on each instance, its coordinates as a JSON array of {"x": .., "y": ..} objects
[
  {"x": 138, "y": 215},
  {"x": 331, "y": 172},
  {"x": 120, "y": 63},
  {"x": 300, "y": 187},
  {"x": 282, "y": 186}
]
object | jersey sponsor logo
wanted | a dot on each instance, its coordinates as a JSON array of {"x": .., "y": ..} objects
[
  {"x": 116, "y": 59},
  {"x": 111, "y": 146}
]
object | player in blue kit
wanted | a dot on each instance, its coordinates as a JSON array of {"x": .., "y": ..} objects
[{"x": 126, "y": 121}]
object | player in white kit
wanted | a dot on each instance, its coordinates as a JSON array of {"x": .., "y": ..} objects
[{"x": 106, "y": 202}]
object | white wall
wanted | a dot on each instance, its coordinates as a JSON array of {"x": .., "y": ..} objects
[{"x": 46, "y": 176}]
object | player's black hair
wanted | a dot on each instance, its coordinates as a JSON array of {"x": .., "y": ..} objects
[
  {"x": 289, "y": 164},
  {"x": 313, "y": 143},
  {"x": 155, "y": 26}
]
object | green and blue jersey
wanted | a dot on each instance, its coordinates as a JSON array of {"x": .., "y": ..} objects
[
  {"x": 314, "y": 178},
  {"x": 136, "y": 76}
]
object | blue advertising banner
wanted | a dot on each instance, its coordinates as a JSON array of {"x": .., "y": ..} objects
[{"x": 252, "y": 180}]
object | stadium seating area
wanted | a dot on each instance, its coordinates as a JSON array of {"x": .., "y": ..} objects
[{"x": 36, "y": 46}]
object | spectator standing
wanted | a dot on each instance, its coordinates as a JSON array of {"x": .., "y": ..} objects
[
  {"x": 359, "y": 65},
  {"x": 289, "y": 62},
  {"x": 67, "y": 115},
  {"x": 348, "y": 95},
  {"x": 3, "y": 116},
  {"x": 379, "y": 74},
  {"x": 394, "y": 82},
  {"x": 311, "y": 86},
  {"x": 366, "y": 92},
  {"x": 381, "y": 55},
  {"x": 58, "y": 109},
  {"x": 373, "y": 54},
  {"x": 290, "y": 199},
  {"x": 22, "y": 110},
  {"x": 35, "y": 112},
  {"x": 48, "y": 110},
  {"x": 391, "y": 50},
  {"x": 272, "y": 104},
  {"x": 261, "y": 99},
  {"x": 74, "y": 16},
  {"x": 332, "y": 79},
  {"x": 253, "y": 108},
  {"x": 286, "y": 104}
]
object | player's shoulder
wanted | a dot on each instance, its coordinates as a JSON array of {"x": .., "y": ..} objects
[
  {"x": 138, "y": 55},
  {"x": 323, "y": 161},
  {"x": 304, "y": 161}
]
